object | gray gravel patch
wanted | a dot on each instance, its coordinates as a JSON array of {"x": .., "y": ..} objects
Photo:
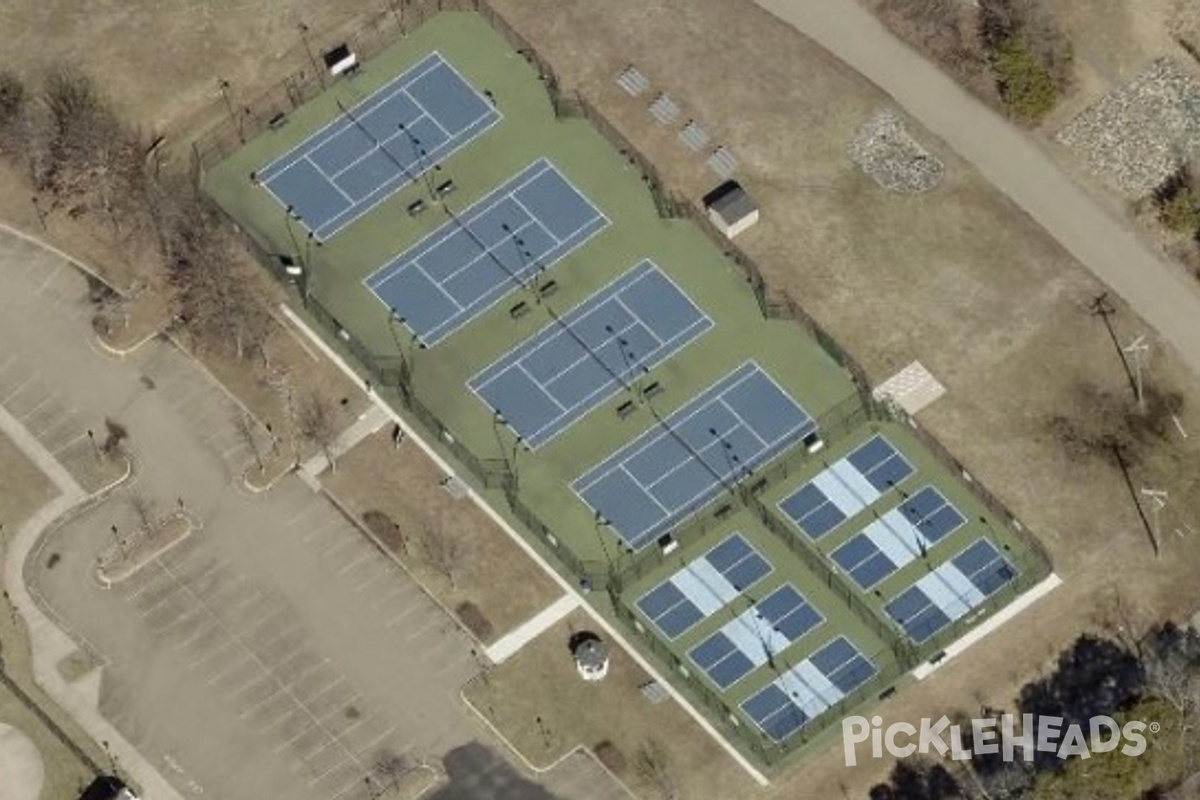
[
  {"x": 1136, "y": 136},
  {"x": 883, "y": 148}
]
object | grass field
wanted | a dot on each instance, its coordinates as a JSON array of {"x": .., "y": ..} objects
[{"x": 528, "y": 131}]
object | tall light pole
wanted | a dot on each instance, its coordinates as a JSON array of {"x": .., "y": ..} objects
[
  {"x": 234, "y": 118},
  {"x": 311, "y": 57}
]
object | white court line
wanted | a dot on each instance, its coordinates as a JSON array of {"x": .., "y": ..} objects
[
  {"x": 489, "y": 250},
  {"x": 416, "y": 262},
  {"x": 557, "y": 241},
  {"x": 479, "y": 208},
  {"x": 330, "y": 181},
  {"x": 425, "y": 111},
  {"x": 11, "y": 360},
  {"x": 402, "y": 615},
  {"x": 486, "y": 301},
  {"x": 339, "y": 124}
]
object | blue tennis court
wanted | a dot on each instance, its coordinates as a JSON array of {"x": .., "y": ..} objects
[
  {"x": 755, "y": 636},
  {"x": 787, "y": 704},
  {"x": 477, "y": 257},
  {"x": 553, "y": 378},
  {"x": 900, "y": 536},
  {"x": 705, "y": 586},
  {"x": 846, "y": 487},
  {"x": 951, "y": 590},
  {"x": 382, "y": 144},
  {"x": 675, "y": 467}
]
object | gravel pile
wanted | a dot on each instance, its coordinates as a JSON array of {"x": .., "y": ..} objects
[
  {"x": 1140, "y": 133},
  {"x": 884, "y": 150}
]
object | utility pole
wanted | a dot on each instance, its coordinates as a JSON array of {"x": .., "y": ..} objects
[
  {"x": 1102, "y": 308},
  {"x": 1158, "y": 499},
  {"x": 1137, "y": 349}
]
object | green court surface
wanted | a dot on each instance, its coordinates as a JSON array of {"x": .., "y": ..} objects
[{"x": 541, "y": 479}]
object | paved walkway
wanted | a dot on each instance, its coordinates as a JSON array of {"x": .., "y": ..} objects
[
  {"x": 47, "y": 642},
  {"x": 1158, "y": 291},
  {"x": 367, "y": 423},
  {"x": 511, "y": 643}
]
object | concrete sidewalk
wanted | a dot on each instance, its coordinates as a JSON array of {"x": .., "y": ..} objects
[
  {"x": 367, "y": 423},
  {"x": 511, "y": 643},
  {"x": 48, "y": 643}
]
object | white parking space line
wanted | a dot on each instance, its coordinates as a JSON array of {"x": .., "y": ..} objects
[
  {"x": 327, "y": 772},
  {"x": 404, "y": 589},
  {"x": 365, "y": 556},
  {"x": 304, "y": 512},
  {"x": 431, "y": 623},
  {"x": 362, "y": 586},
  {"x": 402, "y": 615},
  {"x": 24, "y": 418},
  {"x": 308, "y": 701},
  {"x": 24, "y": 385},
  {"x": 348, "y": 541},
  {"x": 227, "y": 670},
  {"x": 212, "y": 654}
]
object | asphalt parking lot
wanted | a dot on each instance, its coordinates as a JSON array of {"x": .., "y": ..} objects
[{"x": 273, "y": 653}]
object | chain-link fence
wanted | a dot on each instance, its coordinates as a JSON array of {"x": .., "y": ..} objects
[{"x": 621, "y": 567}]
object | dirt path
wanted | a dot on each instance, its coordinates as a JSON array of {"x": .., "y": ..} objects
[{"x": 1157, "y": 290}]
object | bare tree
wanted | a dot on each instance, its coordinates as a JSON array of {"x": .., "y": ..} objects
[
  {"x": 389, "y": 769},
  {"x": 317, "y": 423},
  {"x": 651, "y": 764},
  {"x": 115, "y": 435},
  {"x": 143, "y": 509},
  {"x": 243, "y": 425},
  {"x": 1172, "y": 677},
  {"x": 443, "y": 553}
]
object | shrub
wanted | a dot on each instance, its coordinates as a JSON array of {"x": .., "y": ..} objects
[
  {"x": 384, "y": 528},
  {"x": 610, "y": 756},
  {"x": 1026, "y": 86},
  {"x": 1181, "y": 213},
  {"x": 473, "y": 618}
]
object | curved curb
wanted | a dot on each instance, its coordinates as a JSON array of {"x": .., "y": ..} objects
[
  {"x": 107, "y": 349},
  {"x": 48, "y": 643}
]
